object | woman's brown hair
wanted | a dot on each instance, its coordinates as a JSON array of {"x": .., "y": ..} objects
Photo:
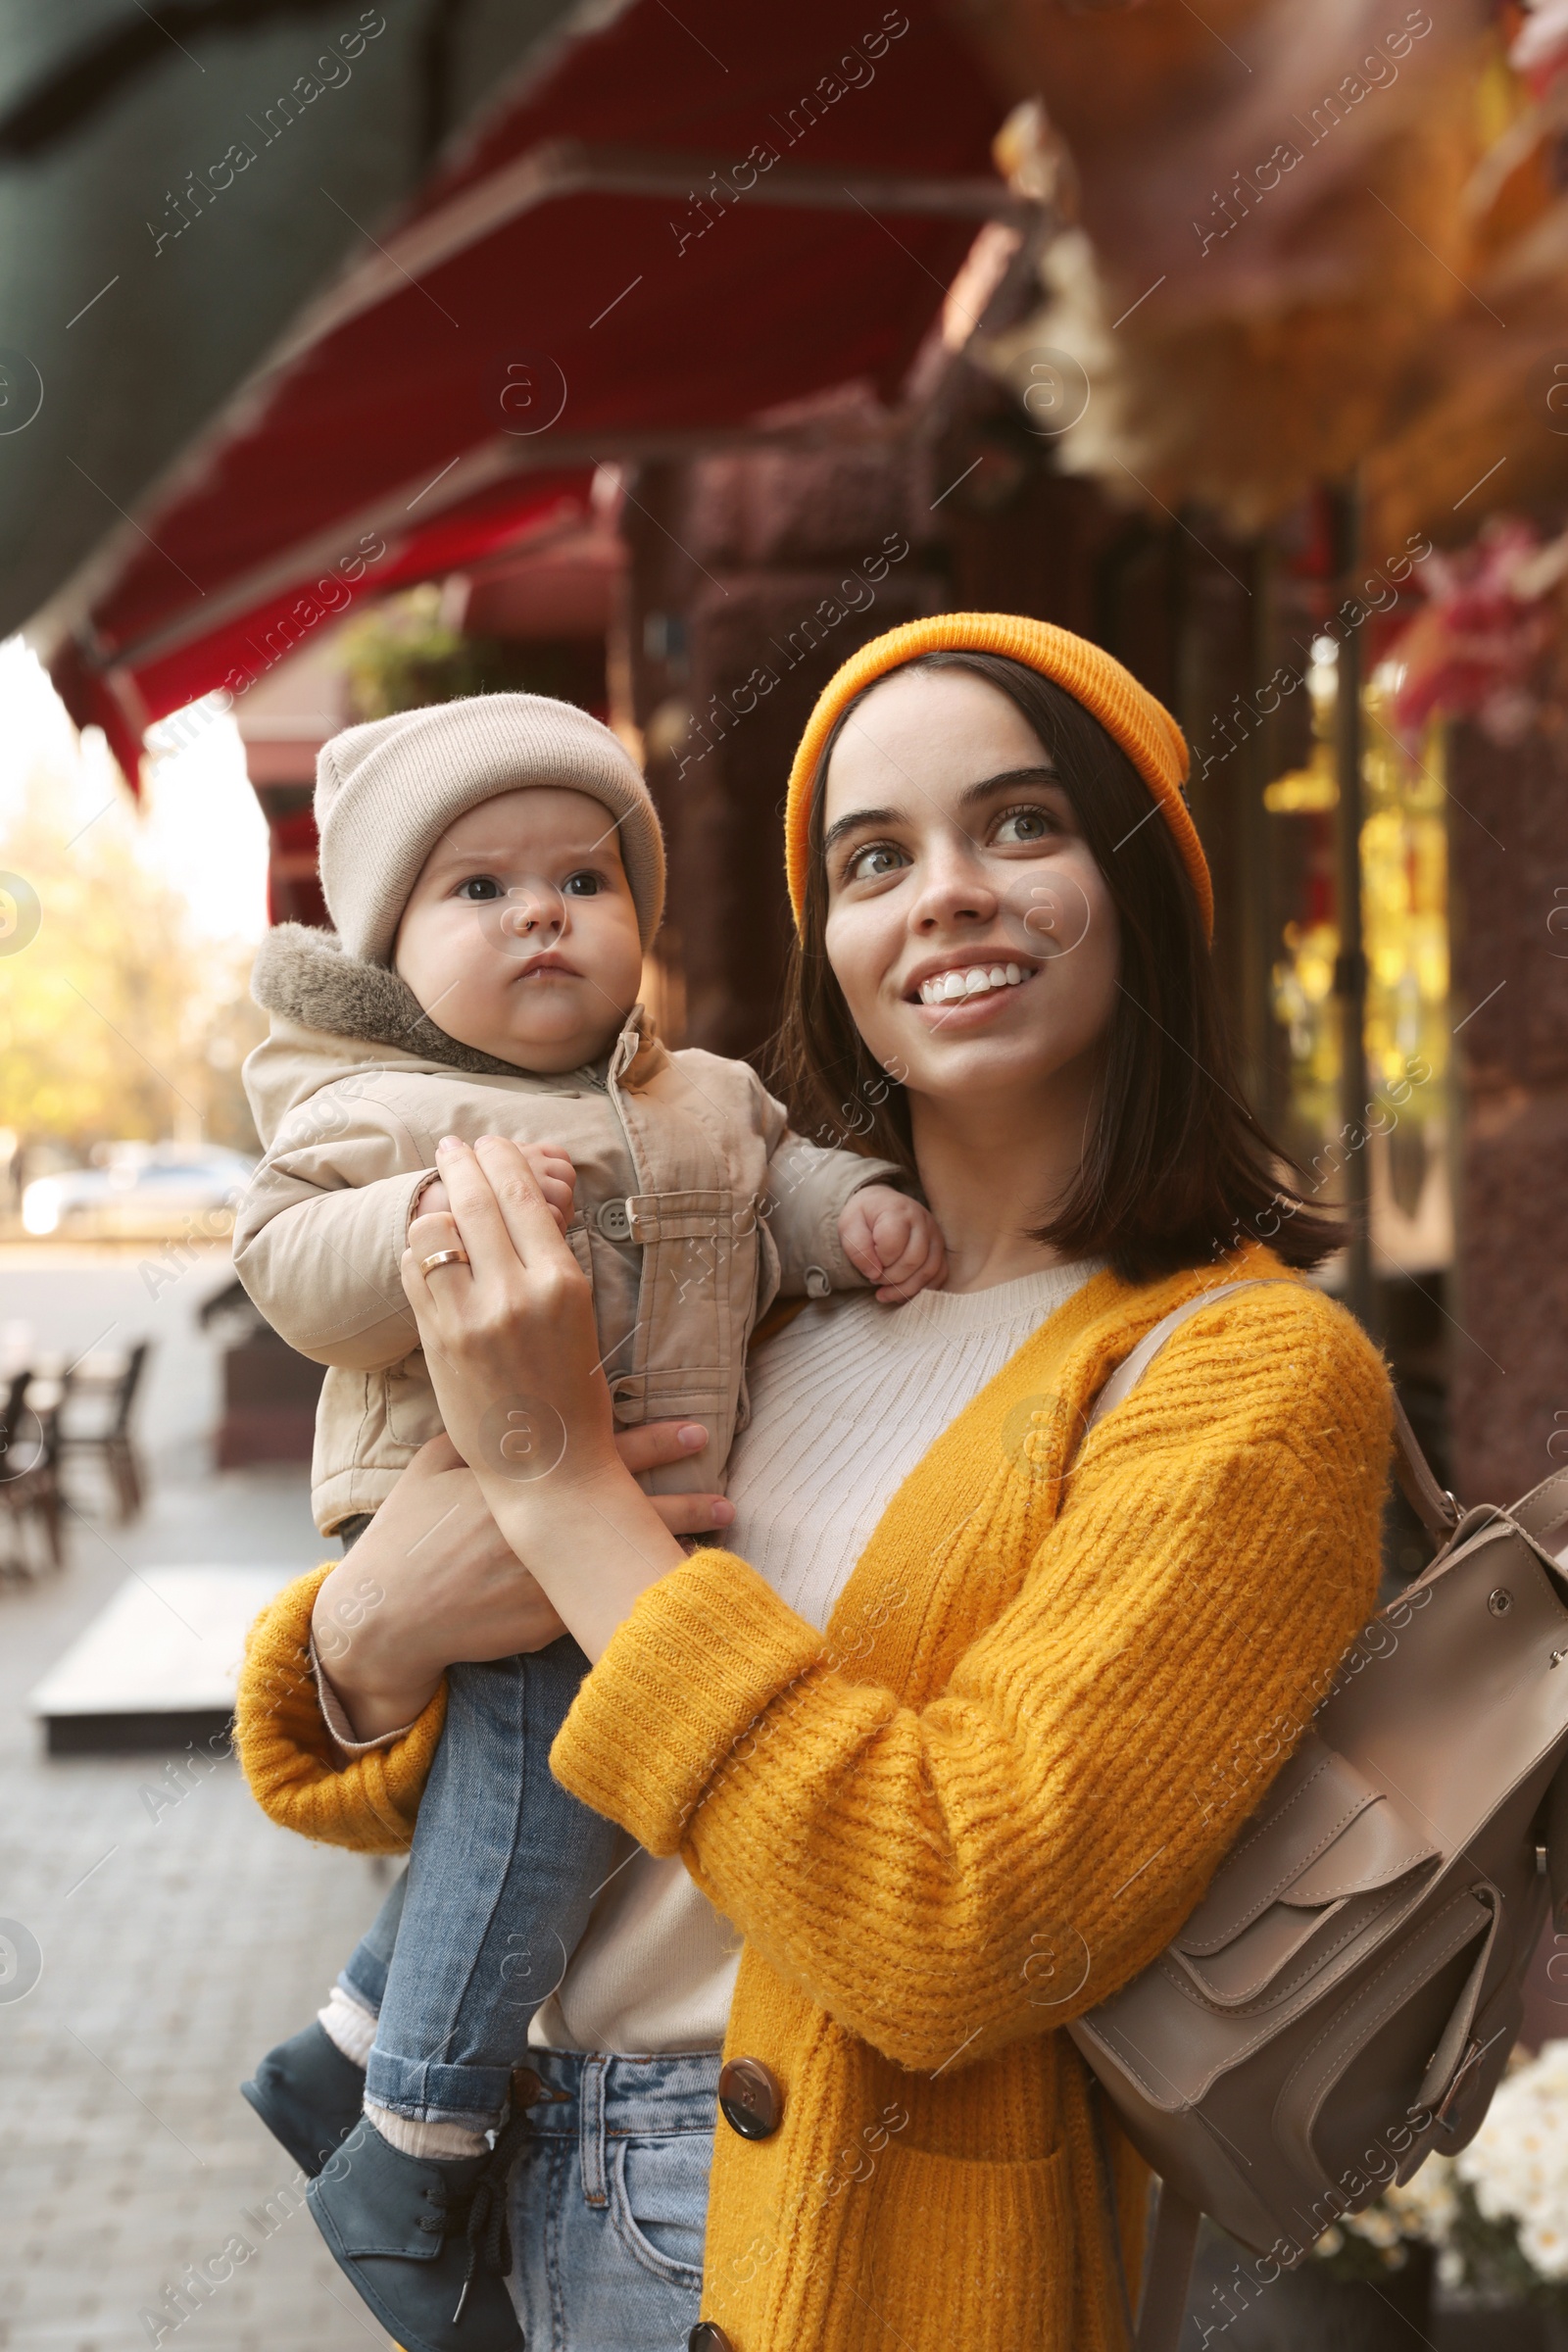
[{"x": 1178, "y": 1170}]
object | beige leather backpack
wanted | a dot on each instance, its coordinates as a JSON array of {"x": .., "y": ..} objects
[{"x": 1344, "y": 1997}]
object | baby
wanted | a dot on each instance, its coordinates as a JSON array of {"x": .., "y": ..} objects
[{"x": 495, "y": 871}]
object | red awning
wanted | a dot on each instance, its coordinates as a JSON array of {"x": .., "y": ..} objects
[{"x": 581, "y": 288}]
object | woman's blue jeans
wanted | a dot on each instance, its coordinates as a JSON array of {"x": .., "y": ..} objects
[
  {"x": 609, "y": 2201},
  {"x": 608, "y": 2204},
  {"x": 504, "y": 1871}
]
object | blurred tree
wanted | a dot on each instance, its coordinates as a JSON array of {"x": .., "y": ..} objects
[
  {"x": 117, "y": 1020},
  {"x": 404, "y": 653}
]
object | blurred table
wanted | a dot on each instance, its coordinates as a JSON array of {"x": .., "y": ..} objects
[{"x": 158, "y": 1667}]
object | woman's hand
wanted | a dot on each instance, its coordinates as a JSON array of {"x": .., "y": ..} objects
[
  {"x": 432, "y": 1579},
  {"x": 509, "y": 1339},
  {"x": 521, "y": 1301}
]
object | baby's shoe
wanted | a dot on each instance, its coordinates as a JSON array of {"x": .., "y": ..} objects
[
  {"x": 423, "y": 2239},
  {"x": 308, "y": 2095}
]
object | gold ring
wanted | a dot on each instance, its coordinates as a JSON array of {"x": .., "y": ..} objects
[{"x": 444, "y": 1258}]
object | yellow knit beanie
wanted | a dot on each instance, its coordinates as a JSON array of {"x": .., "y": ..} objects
[{"x": 1128, "y": 712}]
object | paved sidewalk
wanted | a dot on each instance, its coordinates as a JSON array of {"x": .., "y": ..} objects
[{"x": 179, "y": 1939}]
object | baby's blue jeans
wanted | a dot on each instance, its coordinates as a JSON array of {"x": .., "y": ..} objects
[{"x": 504, "y": 1871}]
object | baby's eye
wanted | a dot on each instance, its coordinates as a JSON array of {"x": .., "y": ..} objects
[
  {"x": 1026, "y": 824},
  {"x": 877, "y": 859},
  {"x": 581, "y": 886},
  {"x": 477, "y": 888}
]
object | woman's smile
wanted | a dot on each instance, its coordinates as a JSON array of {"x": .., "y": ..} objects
[{"x": 968, "y": 980}]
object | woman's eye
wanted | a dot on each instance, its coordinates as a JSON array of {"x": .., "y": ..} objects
[
  {"x": 581, "y": 886},
  {"x": 1026, "y": 824},
  {"x": 877, "y": 859},
  {"x": 477, "y": 888}
]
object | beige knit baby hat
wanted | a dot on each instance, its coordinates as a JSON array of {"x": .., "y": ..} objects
[{"x": 386, "y": 791}]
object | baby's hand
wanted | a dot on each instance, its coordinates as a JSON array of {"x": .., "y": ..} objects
[
  {"x": 894, "y": 1241},
  {"x": 551, "y": 1169}
]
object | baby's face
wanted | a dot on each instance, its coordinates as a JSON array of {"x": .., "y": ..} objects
[{"x": 519, "y": 937}]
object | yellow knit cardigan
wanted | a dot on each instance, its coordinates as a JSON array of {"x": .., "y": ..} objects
[{"x": 985, "y": 1799}]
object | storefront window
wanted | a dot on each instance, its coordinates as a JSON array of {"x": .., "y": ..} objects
[{"x": 1404, "y": 913}]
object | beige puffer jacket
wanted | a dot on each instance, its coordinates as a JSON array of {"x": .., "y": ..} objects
[{"x": 695, "y": 1208}]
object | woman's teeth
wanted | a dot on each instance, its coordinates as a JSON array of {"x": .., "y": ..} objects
[{"x": 977, "y": 980}]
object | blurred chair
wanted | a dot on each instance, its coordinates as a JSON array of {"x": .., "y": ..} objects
[
  {"x": 29, "y": 1468},
  {"x": 99, "y": 1396},
  {"x": 12, "y": 1412},
  {"x": 270, "y": 1393}
]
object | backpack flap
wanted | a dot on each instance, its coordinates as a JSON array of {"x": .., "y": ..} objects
[
  {"x": 1326, "y": 1850},
  {"x": 1323, "y": 1862}
]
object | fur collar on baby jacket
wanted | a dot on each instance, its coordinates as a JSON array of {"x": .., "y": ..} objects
[{"x": 309, "y": 976}]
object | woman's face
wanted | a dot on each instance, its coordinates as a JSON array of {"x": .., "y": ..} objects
[{"x": 968, "y": 925}]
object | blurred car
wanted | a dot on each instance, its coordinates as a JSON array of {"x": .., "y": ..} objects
[{"x": 141, "y": 1192}]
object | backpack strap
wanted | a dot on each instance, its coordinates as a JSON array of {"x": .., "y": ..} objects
[
  {"x": 1437, "y": 1508},
  {"x": 1434, "y": 1507},
  {"x": 1169, "y": 2277},
  {"x": 1130, "y": 1371},
  {"x": 1544, "y": 1514}
]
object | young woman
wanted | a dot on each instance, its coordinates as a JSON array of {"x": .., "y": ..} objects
[{"x": 944, "y": 1744}]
